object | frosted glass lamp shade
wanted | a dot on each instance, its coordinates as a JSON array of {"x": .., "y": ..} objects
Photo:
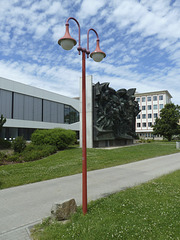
[
  {"x": 97, "y": 56},
  {"x": 67, "y": 44}
]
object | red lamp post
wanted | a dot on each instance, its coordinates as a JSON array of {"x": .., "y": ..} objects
[{"x": 67, "y": 43}]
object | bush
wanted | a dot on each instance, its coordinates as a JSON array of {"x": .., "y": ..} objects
[
  {"x": 3, "y": 157},
  {"x": 30, "y": 153},
  {"x": 13, "y": 158},
  {"x": 61, "y": 138},
  {"x": 4, "y": 144},
  {"x": 19, "y": 144},
  {"x": 34, "y": 152}
]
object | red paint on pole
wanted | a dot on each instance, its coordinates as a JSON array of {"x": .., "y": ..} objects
[{"x": 84, "y": 154}]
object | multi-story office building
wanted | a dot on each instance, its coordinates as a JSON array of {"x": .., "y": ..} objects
[
  {"x": 150, "y": 104},
  {"x": 27, "y": 108}
]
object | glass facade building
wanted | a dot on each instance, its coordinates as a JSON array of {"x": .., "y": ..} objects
[{"x": 41, "y": 110}]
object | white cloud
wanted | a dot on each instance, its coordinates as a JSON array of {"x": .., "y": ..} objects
[
  {"x": 140, "y": 38},
  {"x": 33, "y": 74},
  {"x": 90, "y": 8}
]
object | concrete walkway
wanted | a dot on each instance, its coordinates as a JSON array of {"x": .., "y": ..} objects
[{"x": 24, "y": 206}]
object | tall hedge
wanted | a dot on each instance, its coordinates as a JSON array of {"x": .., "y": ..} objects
[{"x": 61, "y": 138}]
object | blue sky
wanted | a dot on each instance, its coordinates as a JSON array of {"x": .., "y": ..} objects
[{"x": 140, "y": 38}]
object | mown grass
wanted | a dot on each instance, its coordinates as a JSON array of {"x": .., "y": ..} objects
[
  {"x": 149, "y": 211},
  {"x": 69, "y": 162}
]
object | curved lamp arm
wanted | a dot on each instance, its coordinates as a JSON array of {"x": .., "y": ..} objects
[
  {"x": 98, "y": 54},
  {"x": 79, "y": 48},
  {"x": 88, "y": 52}
]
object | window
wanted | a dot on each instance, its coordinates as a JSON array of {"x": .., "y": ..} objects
[
  {"x": 143, "y": 99},
  {"x": 138, "y": 124},
  {"x": 6, "y": 103},
  {"x": 161, "y": 97},
  {"x": 138, "y": 99},
  {"x": 155, "y": 115},
  {"x": 70, "y": 115},
  {"x": 50, "y": 111},
  {"x": 144, "y": 124},
  {"x": 143, "y": 116},
  {"x": 149, "y": 107},
  {"x": 149, "y": 115},
  {"x": 143, "y": 107},
  {"x": 155, "y": 107},
  {"x": 148, "y": 99},
  {"x": 66, "y": 114},
  {"x": 74, "y": 115},
  {"x": 138, "y": 116},
  {"x": 154, "y": 98},
  {"x": 149, "y": 124},
  {"x": 161, "y": 106}
]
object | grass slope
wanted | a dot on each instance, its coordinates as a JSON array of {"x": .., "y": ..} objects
[
  {"x": 149, "y": 211},
  {"x": 69, "y": 162}
]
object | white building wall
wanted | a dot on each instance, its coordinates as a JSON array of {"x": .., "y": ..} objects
[{"x": 155, "y": 105}]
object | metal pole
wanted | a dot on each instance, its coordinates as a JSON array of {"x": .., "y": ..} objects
[{"x": 84, "y": 154}]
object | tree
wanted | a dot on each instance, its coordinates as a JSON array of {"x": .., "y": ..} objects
[
  {"x": 167, "y": 124},
  {"x": 2, "y": 122}
]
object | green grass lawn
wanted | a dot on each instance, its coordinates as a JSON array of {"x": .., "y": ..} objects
[
  {"x": 148, "y": 211},
  {"x": 69, "y": 162}
]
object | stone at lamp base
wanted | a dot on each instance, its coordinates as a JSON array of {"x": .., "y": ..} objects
[{"x": 63, "y": 211}]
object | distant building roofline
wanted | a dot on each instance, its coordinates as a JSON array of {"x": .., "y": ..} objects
[{"x": 153, "y": 93}]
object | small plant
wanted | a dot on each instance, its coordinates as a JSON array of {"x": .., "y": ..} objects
[
  {"x": 13, "y": 158},
  {"x": 4, "y": 144},
  {"x": 19, "y": 144},
  {"x": 3, "y": 157},
  {"x": 34, "y": 152}
]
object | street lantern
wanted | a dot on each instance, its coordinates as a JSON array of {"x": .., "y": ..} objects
[{"x": 67, "y": 43}]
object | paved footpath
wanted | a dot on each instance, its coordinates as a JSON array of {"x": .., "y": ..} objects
[{"x": 24, "y": 206}]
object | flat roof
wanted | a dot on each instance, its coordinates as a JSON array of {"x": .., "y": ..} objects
[
  {"x": 14, "y": 86},
  {"x": 153, "y": 93}
]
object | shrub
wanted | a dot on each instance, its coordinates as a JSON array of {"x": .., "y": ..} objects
[
  {"x": 30, "y": 153},
  {"x": 19, "y": 144},
  {"x": 4, "y": 144},
  {"x": 61, "y": 138},
  {"x": 13, "y": 158},
  {"x": 3, "y": 157},
  {"x": 34, "y": 152}
]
